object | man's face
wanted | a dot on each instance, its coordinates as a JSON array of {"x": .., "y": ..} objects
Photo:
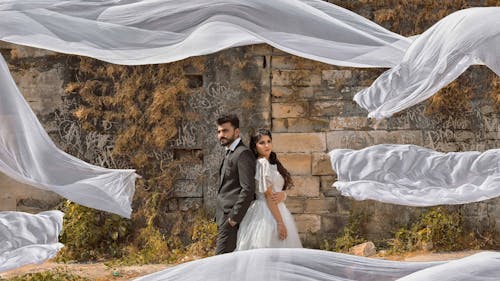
[{"x": 226, "y": 134}]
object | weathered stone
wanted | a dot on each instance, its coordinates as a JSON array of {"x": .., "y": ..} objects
[
  {"x": 187, "y": 188},
  {"x": 308, "y": 223},
  {"x": 296, "y": 163},
  {"x": 326, "y": 187},
  {"x": 320, "y": 206},
  {"x": 305, "y": 186},
  {"x": 261, "y": 49},
  {"x": 7, "y": 203},
  {"x": 364, "y": 250},
  {"x": 299, "y": 142},
  {"x": 41, "y": 89},
  {"x": 377, "y": 124},
  {"x": 285, "y": 110},
  {"x": 280, "y": 93},
  {"x": 321, "y": 165},
  {"x": 335, "y": 77},
  {"x": 295, "y": 205},
  {"x": 20, "y": 52},
  {"x": 186, "y": 204},
  {"x": 362, "y": 139},
  {"x": 303, "y": 125},
  {"x": 352, "y": 123},
  {"x": 280, "y": 125},
  {"x": 334, "y": 223},
  {"x": 327, "y": 108},
  {"x": 295, "y": 78}
]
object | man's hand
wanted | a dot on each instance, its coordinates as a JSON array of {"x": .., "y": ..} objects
[
  {"x": 231, "y": 222},
  {"x": 278, "y": 197}
]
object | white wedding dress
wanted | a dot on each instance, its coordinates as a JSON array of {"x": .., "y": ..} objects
[{"x": 259, "y": 229}]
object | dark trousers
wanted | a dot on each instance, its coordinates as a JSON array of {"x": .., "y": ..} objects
[{"x": 226, "y": 238}]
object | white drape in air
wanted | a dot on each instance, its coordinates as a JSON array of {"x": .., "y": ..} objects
[
  {"x": 434, "y": 59},
  {"x": 28, "y": 155},
  {"x": 27, "y": 238},
  {"x": 415, "y": 176},
  {"x": 314, "y": 265},
  {"x": 147, "y": 32}
]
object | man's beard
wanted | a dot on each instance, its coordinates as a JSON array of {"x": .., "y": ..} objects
[{"x": 226, "y": 141}]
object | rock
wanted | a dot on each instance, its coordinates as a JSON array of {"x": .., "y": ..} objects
[{"x": 365, "y": 250}]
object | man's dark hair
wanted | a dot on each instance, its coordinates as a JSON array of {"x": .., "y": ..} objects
[{"x": 231, "y": 118}]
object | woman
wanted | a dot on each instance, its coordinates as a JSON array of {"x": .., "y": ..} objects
[{"x": 268, "y": 223}]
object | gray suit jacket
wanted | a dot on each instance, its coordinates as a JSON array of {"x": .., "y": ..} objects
[{"x": 236, "y": 185}]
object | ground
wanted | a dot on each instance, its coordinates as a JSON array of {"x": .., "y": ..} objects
[{"x": 101, "y": 272}]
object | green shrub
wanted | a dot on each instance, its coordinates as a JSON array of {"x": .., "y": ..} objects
[
  {"x": 438, "y": 226},
  {"x": 47, "y": 276},
  {"x": 89, "y": 234}
]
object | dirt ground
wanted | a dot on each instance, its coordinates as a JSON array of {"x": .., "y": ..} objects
[{"x": 102, "y": 272}]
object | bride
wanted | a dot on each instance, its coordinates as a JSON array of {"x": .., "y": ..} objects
[{"x": 268, "y": 223}]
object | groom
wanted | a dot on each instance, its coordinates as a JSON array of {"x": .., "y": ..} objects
[{"x": 236, "y": 184}]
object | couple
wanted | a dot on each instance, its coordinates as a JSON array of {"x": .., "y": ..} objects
[{"x": 244, "y": 223}]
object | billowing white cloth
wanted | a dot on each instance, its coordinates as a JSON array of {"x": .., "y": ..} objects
[
  {"x": 159, "y": 31},
  {"x": 259, "y": 228},
  {"x": 27, "y": 238},
  {"x": 28, "y": 155},
  {"x": 434, "y": 59},
  {"x": 315, "y": 265},
  {"x": 416, "y": 176},
  {"x": 483, "y": 266}
]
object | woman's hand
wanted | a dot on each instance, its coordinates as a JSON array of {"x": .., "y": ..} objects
[
  {"x": 282, "y": 232},
  {"x": 278, "y": 197}
]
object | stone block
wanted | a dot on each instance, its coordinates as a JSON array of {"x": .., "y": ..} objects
[
  {"x": 308, "y": 223},
  {"x": 299, "y": 142},
  {"x": 295, "y": 205},
  {"x": 21, "y": 52},
  {"x": 8, "y": 203},
  {"x": 335, "y": 78},
  {"x": 320, "y": 206},
  {"x": 327, "y": 108},
  {"x": 351, "y": 123},
  {"x": 280, "y": 125},
  {"x": 304, "y": 186},
  {"x": 298, "y": 125},
  {"x": 364, "y": 250},
  {"x": 285, "y": 110},
  {"x": 295, "y": 78},
  {"x": 280, "y": 93},
  {"x": 187, "y": 188},
  {"x": 296, "y": 163},
  {"x": 334, "y": 223},
  {"x": 42, "y": 89},
  {"x": 362, "y": 139},
  {"x": 321, "y": 165},
  {"x": 186, "y": 204},
  {"x": 260, "y": 49},
  {"x": 326, "y": 187}
]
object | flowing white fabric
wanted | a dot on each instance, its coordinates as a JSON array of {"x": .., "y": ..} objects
[
  {"x": 159, "y": 31},
  {"x": 28, "y": 155},
  {"x": 483, "y": 266},
  {"x": 434, "y": 59},
  {"x": 416, "y": 176},
  {"x": 259, "y": 229},
  {"x": 27, "y": 238},
  {"x": 315, "y": 265}
]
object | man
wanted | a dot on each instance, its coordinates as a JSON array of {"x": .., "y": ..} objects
[{"x": 236, "y": 185}]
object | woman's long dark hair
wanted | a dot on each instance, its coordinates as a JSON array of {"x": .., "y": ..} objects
[{"x": 273, "y": 158}]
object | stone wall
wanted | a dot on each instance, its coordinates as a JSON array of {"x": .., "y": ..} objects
[{"x": 308, "y": 106}]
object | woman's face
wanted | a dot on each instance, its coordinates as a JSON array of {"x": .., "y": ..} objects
[{"x": 264, "y": 146}]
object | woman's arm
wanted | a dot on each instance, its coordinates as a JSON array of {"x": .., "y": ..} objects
[
  {"x": 273, "y": 207},
  {"x": 278, "y": 197}
]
